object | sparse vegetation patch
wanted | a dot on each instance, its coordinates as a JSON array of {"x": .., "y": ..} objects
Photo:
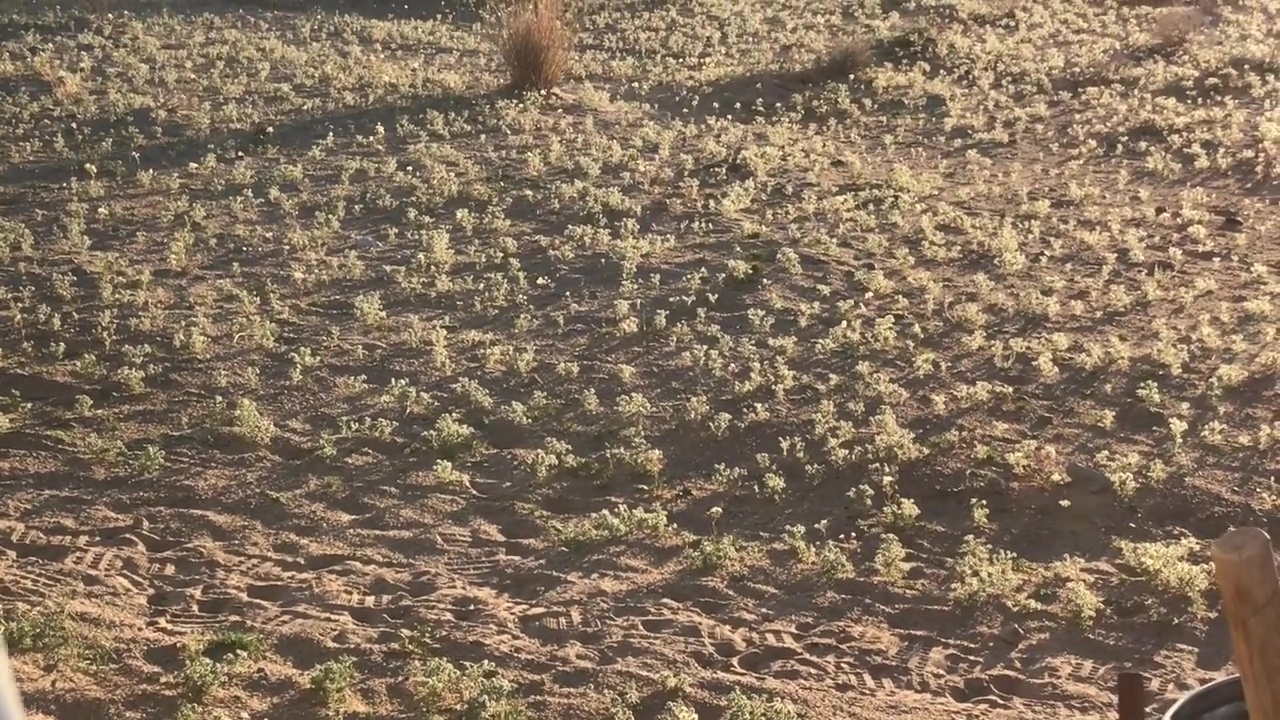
[{"x": 629, "y": 358}]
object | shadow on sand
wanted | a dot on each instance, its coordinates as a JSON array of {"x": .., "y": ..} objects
[
  {"x": 175, "y": 145},
  {"x": 771, "y": 93},
  {"x": 66, "y": 16}
]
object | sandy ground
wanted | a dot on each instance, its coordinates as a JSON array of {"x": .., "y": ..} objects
[{"x": 329, "y": 352}]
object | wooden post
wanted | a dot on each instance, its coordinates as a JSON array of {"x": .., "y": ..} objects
[
  {"x": 1131, "y": 696},
  {"x": 1246, "y": 574},
  {"x": 10, "y": 699}
]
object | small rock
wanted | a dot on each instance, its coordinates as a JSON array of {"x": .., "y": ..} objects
[
  {"x": 1095, "y": 480},
  {"x": 1012, "y": 634}
]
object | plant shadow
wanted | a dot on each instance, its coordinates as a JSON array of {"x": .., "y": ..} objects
[
  {"x": 177, "y": 145},
  {"x": 769, "y": 94},
  {"x": 68, "y": 16}
]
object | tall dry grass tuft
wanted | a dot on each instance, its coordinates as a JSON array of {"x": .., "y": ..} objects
[
  {"x": 843, "y": 61},
  {"x": 535, "y": 39},
  {"x": 1175, "y": 27}
]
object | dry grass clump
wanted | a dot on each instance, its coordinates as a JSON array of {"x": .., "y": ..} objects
[
  {"x": 845, "y": 60},
  {"x": 535, "y": 39},
  {"x": 1176, "y": 26},
  {"x": 63, "y": 85}
]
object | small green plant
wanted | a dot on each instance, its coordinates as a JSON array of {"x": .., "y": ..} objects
[
  {"x": 833, "y": 561},
  {"x": 863, "y": 499},
  {"x": 1079, "y": 603},
  {"x": 716, "y": 554},
  {"x": 714, "y": 515},
  {"x": 244, "y": 419},
  {"x": 617, "y": 524},
  {"x": 901, "y": 513},
  {"x": 51, "y": 629},
  {"x": 44, "y": 629},
  {"x": 984, "y": 574},
  {"x": 980, "y": 515},
  {"x": 794, "y": 538},
  {"x": 677, "y": 710},
  {"x": 742, "y": 706},
  {"x": 622, "y": 705},
  {"x": 209, "y": 663},
  {"x": 200, "y": 679},
  {"x": 233, "y": 646},
  {"x": 1167, "y": 569},
  {"x": 418, "y": 642},
  {"x": 450, "y": 437},
  {"x": 464, "y": 691},
  {"x": 673, "y": 682},
  {"x": 830, "y": 559},
  {"x": 334, "y": 681},
  {"x": 149, "y": 460},
  {"x": 891, "y": 558}
]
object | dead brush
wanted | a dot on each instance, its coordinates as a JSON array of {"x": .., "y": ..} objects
[
  {"x": 64, "y": 86},
  {"x": 535, "y": 41},
  {"x": 841, "y": 62},
  {"x": 1175, "y": 27},
  {"x": 98, "y": 8}
]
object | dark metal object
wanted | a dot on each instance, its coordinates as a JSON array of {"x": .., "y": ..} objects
[
  {"x": 1219, "y": 700},
  {"x": 1131, "y": 696}
]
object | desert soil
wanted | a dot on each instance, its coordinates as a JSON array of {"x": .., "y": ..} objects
[{"x": 709, "y": 385}]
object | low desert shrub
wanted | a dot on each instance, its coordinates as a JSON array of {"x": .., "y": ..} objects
[{"x": 535, "y": 41}]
